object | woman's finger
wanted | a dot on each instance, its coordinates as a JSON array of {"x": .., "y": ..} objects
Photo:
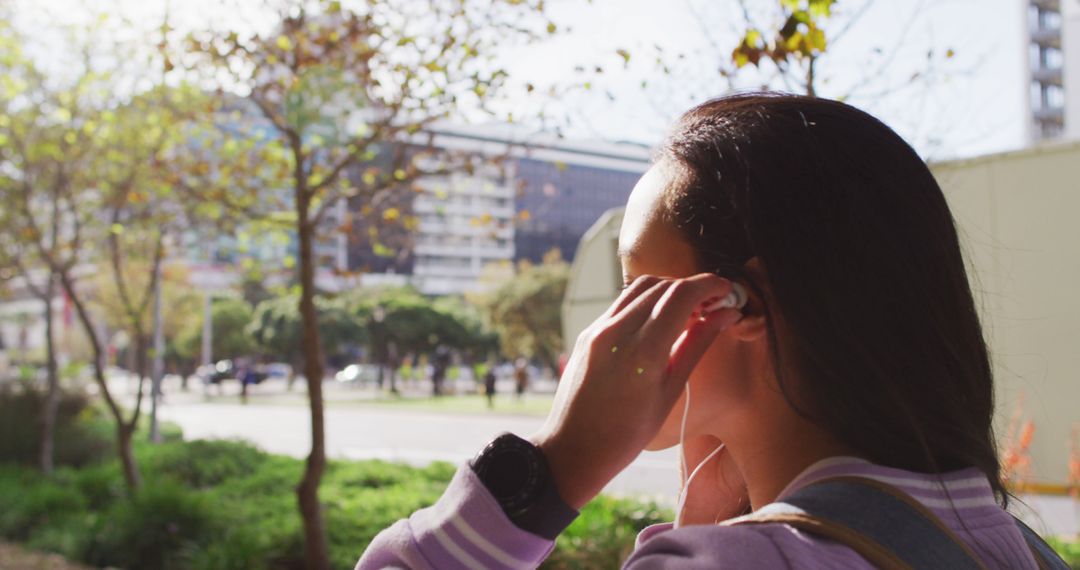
[
  {"x": 680, "y": 302},
  {"x": 691, "y": 346},
  {"x": 641, "y": 284},
  {"x": 637, "y": 310}
]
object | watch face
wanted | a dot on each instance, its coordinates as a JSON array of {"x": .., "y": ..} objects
[
  {"x": 510, "y": 469},
  {"x": 507, "y": 473}
]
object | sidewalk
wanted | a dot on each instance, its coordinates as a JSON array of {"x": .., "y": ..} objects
[{"x": 460, "y": 396}]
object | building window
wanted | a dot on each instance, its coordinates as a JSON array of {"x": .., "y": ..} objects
[
  {"x": 1053, "y": 97},
  {"x": 1052, "y": 58}
]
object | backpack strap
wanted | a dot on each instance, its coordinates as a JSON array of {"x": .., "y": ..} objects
[
  {"x": 1043, "y": 552},
  {"x": 883, "y": 524}
]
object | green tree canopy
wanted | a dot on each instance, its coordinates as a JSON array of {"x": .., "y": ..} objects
[
  {"x": 526, "y": 311},
  {"x": 275, "y": 326},
  {"x": 229, "y": 320}
]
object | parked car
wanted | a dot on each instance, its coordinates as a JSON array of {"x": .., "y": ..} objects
[
  {"x": 227, "y": 370},
  {"x": 358, "y": 373}
]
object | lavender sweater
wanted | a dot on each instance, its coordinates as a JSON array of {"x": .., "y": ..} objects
[{"x": 467, "y": 529}]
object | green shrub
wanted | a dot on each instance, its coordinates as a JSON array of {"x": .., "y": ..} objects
[
  {"x": 603, "y": 535},
  {"x": 237, "y": 548},
  {"x": 82, "y": 435},
  {"x": 224, "y": 505},
  {"x": 1069, "y": 550},
  {"x": 100, "y": 485},
  {"x": 154, "y": 529},
  {"x": 30, "y": 503},
  {"x": 264, "y": 504},
  {"x": 202, "y": 464},
  {"x": 68, "y": 536}
]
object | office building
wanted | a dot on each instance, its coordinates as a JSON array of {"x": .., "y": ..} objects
[{"x": 1053, "y": 40}]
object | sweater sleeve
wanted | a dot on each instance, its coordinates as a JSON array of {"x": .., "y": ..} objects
[
  {"x": 705, "y": 546},
  {"x": 466, "y": 528}
]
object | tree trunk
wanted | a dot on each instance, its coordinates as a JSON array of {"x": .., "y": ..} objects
[
  {"x": 123, "y": 443},
  {"x": 124, "y": 433},
  {"x": 315, "y": 547},
  {"x": 52, "y": 398}
]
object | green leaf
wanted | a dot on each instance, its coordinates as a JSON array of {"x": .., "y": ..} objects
[
  {"x": 821, "y": 8},
  {"x": 816, "y": 38},
  {"x": 740, "y": 58},
  {"x": 792, "y": 43},
  {"x": 625, "y": 55},
  {"x": 753, "y": 36}
]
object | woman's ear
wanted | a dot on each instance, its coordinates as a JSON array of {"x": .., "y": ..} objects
[{"x": 753, "y": 325}]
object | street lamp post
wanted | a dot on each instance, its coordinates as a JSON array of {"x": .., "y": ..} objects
[{"x": 159, "y": 361}]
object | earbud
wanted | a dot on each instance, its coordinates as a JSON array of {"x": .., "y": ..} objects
[{"x": 736, "y": 299}]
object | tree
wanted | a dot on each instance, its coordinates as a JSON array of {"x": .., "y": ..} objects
[
  {"x": 183, "y": 303},
  {"x": 47, "y": 154},
  {"x": 12, "y": 255},
  {"x": 276, "y": 328},
  {"x": 526, "y": 311},
  {"x": 83, "y": 165},
  {"x": 229, "y": 320},
  {"x": 401, "y": 322},
  {"x": 347, "y": 89}
]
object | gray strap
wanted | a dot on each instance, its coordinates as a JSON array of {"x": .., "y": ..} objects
[
  {"x": 876, "y": 515},
  {"x": 1044, "y": 554}
]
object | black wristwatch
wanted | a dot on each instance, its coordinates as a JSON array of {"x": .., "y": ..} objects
[{"x": 516, "y": 473}]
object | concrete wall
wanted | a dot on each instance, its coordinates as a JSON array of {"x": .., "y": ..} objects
[
  {"x": 595, "y": 276},
  {"x": 1019, "y": 220}
]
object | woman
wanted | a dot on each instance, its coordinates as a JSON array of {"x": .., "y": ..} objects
[{"x": 858, "y": 354}]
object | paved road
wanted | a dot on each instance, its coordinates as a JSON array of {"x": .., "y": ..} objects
[
  {"x": 419, "y": 437},
  {"x": 403, "y": 435}
]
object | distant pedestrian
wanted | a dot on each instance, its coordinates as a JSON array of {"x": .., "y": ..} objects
[
  {"x": 438, "y": 369},
  {"x": 521, "y": 376},
  {"x": 489, "y": 386}
]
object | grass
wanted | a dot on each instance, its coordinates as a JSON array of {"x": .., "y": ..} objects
[{"x": 531, "y": 405}]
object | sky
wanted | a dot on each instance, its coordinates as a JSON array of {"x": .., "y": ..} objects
[{"x": 969, "y": 103}]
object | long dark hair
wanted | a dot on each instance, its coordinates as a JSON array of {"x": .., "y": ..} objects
[{"x": 863, "y": 265}]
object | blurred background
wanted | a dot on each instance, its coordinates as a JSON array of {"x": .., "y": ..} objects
[{"x": 269, "y": 269}]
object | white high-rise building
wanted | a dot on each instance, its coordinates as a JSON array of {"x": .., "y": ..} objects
[
  {"x": 1070, "y": 49},
  {"x": 1053, "y": 39},
  {"x": 466, "y": 223}
]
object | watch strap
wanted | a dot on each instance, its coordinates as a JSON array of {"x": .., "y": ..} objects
[
  {"x": 548, "y": 516},
  {"x": 537, "y": 507}
]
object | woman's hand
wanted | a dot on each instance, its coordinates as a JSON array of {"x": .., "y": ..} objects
[
  {"x": 718, "y": 491},
  {"x": 626, "y": 371}
]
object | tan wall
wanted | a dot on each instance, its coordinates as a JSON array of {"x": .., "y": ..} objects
[
  {"x": 595, "y": 276},
  {"x": 1019, "y": 220}
]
